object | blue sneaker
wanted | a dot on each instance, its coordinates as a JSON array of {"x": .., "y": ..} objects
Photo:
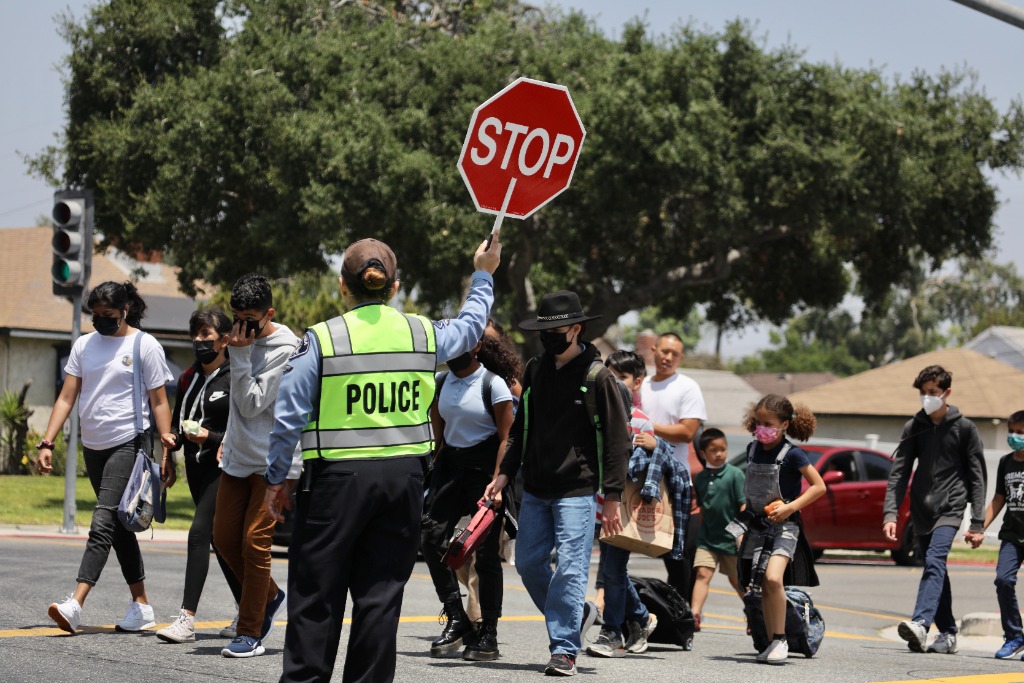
[
  {"x": 273, "y": 607},
  {"x": 243, "y": 646},
  {"x": 1011, "y": 648}
]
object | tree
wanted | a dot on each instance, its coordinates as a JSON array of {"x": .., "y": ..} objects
[
  {"x": 714, "y": 170},
  {"x": 983, "y": 294}
]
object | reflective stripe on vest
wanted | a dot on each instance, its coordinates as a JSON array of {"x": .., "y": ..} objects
[{"x": 376, "y": 386}]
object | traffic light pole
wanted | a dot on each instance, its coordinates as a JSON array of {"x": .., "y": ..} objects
[{"x": 71, "y": 459}]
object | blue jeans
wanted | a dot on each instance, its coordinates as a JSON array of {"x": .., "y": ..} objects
[
  {"x": 934, "y": 599},
  {"x": 621, "y": 603},
  {"x": 565, "y": 525},
  {"x": 1010, "y": 557}
]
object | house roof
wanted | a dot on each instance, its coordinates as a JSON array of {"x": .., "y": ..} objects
[
  {"x": 29, "y": 303},
  {"x": 786, "y": 382},
  {"x": 1013, "y": 336},
  {"x": 983, "y": 388}
]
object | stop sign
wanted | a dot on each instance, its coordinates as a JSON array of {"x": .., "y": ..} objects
[{"x": 521, "y": 148}]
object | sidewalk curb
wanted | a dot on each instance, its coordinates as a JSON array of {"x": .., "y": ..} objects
[
  {"x": 159, "y": 535},
  {"x": 979, "y": 632}
]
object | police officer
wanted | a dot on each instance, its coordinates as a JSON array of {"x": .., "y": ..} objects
[{"x": 358, "y": 390}]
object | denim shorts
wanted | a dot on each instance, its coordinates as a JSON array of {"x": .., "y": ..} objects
[{"x": 785, "y": 541}]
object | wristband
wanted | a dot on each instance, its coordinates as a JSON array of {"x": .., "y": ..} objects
[{"x": 45, "y": 443}]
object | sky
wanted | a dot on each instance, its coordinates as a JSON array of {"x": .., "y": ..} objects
[{"x": 897, "y": 36}]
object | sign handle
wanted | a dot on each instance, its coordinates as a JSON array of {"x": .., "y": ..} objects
[{"x": 496, "y": 229}]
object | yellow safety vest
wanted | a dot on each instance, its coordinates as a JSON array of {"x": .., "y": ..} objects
[{"x": 376, "y": 386}]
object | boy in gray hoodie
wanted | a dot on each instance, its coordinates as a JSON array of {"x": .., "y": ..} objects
[
  {"x": 950, "y": 473},
  {"x": 243, "y": 529}
]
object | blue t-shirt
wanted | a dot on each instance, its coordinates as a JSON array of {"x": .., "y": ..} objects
[
  {"x": 461, "y": 404},
  {"x": 789, "y": 472}
]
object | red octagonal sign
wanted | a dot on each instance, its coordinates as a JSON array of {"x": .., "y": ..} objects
[{"x": 521, "y": 148}]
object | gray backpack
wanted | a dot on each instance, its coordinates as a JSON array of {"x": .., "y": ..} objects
[{"x": 142, "y": 500}]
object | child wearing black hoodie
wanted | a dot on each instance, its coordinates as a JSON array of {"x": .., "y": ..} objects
[{"x": 950, "y": 472}]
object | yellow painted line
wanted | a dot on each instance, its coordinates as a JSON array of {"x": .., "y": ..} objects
[
  {"x": 200, "y": 625},
  {"x": 80, "y": 543},
  {"x": 980, "y": 678},
  {"x": 876, "y": 615},
  {"x": 828, "y": 634}
]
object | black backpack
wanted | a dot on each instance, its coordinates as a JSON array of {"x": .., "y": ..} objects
[
  {"x": 485, "y": 388},
  {"x": 675, "y": 618}
]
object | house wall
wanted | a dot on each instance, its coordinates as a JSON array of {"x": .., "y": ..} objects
[
  {"x": 22, "y": 359},
  {"x": 856, "y": 428}
]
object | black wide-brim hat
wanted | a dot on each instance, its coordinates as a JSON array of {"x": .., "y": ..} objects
[{"x": 557, "y": 310}]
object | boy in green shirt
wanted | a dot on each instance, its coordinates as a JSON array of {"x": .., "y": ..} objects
[{"x": 719, "y": 488}]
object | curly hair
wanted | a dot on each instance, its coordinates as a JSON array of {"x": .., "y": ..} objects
[
  {"x": 801, "y": 420},
  {"x": 252, "y": 292},
  {"x": 499, "y": 355}
]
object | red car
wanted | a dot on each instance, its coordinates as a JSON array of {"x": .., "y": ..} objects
[{"x": 849, "y": 515}]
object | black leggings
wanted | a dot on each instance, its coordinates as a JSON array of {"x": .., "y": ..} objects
[
  {"x": 202, "y": 484},
  {"x": 457, "y": 483}
]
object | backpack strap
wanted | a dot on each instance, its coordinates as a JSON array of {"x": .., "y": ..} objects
[
  {"x": 439, "y": 382},
  {"x": 137, "y": 394},
  {"x": 778, "y": 458},
  {"x": 589, "y": 390}
]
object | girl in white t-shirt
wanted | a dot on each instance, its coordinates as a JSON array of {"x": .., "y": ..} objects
[{"x": 99, "y": 375}]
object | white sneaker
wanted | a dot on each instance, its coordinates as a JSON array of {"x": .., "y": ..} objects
[
  {"x": 636, "y": 642},
  {"x": 183, "y": 630},
  {"x": 914, "y": 633},
  {"x": 945, "y": 644},
  {"x": 230, "y": 631},
  {"x": 778, "y": 654},
  {"x": 139, "y": 617},
  {"x": 66, "y": 614},
  {"x": 772, "y": 646}
]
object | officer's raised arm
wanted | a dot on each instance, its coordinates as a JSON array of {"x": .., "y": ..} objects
[{"x": 457, "y": 335}]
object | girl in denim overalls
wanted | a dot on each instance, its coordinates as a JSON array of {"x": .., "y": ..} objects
[{"x": 771, "y": 478}]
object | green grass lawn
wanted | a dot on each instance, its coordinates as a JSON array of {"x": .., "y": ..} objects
[{"x": 40, "y": 500}]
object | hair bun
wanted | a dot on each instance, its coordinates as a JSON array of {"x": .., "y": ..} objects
[{"x": 374, "y": 278}]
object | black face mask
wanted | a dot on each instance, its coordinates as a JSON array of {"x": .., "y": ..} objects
[
  {"x": 555, "y": 343},
  {"x": 252, "y": 327},
  {"x": 205, "y": 351},
  {"x": 106, "y": 326},
  {"x": 460, "y": 363}
]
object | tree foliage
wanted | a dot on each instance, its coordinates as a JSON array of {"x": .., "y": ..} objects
[
  {"x": 925, "y": 312},
  {"x": 268, "y": 134}
]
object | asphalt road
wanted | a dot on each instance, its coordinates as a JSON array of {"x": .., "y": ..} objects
[{"x": 860, "y": 602}]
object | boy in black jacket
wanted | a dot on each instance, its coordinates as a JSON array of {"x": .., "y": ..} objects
[
  {"x": 555, "y": 442},
  {"x": 950, "y": 472}
]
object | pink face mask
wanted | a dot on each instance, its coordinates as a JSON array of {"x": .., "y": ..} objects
[{"x": 766, "y": 434}]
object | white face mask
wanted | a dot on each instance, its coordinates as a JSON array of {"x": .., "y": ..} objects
[{"x": 931, "y": 403}]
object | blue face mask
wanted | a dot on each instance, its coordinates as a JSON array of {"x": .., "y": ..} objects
[{"x": 1016, "y": 441}]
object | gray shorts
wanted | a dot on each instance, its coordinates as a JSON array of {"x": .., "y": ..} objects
[{"x": 785, "y": 541}]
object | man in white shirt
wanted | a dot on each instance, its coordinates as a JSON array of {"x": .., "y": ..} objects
[
  {"x": 673, "y": 401},
  {"x": 675, "y": 405}
]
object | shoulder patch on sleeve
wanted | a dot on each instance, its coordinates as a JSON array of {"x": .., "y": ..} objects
[
  {"x": 301, "y": 349},
  {"x": 441, "y": 324}
]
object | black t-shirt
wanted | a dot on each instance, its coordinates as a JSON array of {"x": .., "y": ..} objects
[
  {"x": 1010, "y": 483},
  {"x": 789, "y": 470}
]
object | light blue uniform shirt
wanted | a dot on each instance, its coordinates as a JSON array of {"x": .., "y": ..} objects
[
  {"x": 300, "y": 386},
  {"x": 461, "y": 405}
]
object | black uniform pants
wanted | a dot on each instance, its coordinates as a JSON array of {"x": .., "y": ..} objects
[
  {"x": 356, "y": 531},
  {"x": 458, "y": 481}
]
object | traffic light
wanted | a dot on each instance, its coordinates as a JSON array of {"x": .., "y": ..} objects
[{"x": 72, "y": 241}]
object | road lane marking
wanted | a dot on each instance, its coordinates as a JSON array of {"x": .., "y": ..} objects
[
  {"x": 38, "y": 631},
  {"x": 979, "y": 678},
  {"x": 876, "y": 615}
]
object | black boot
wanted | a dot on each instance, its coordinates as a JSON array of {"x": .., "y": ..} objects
[
  {"x": 484, "y": 647},
  {"x": 457, "y": 627}
]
